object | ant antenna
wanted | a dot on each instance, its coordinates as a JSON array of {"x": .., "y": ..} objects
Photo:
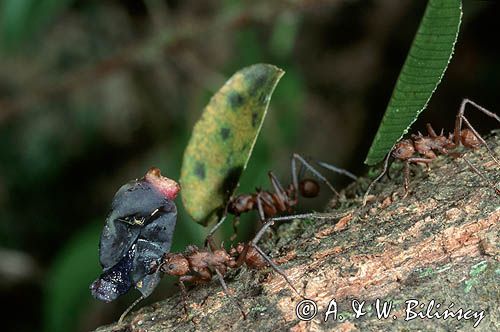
[
  {"x": 130, "y": 308},
  {"x": 461, "y": 117},
  {"x": 386, "y": 167}
]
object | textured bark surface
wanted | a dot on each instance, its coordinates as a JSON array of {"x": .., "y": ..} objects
[{"x": 441, "y": 242}]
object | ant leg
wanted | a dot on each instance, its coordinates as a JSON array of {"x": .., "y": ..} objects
[
  {"x": 184, "y": 295},
  {"x": 130, "y": 308},
  {"x": 261, "y": 200},
  {"x": 236, "y": 222},
  {"x": 391, "y": 160},
  {"x": 268, "y": 224},
  {"x": 407, "y": 170},
  {"x": 226, "y": 291},
  {"x": 241, "y": 258},
  {"x": 278, "y": 188},
  {"x": 406, "y": 181},
  {"x": 431, "y": 131},
  {"x": 337, "y": 169},
  {"x": 481, "y": 139},
  {"x": 461, "y": 116},
  {"x": 478, "y": 172},
  {"x": 217, "y": 226},
  {"x": 420, "y": 160},
  {"x": 260, "y": 209},
  {"x": 276, "y": 268},
  {"x": 384, "y": 170},
  {"x": 211, "y": 243},
  {"x": 270, "y": 221},
  {"x": 312, "y": 170}
]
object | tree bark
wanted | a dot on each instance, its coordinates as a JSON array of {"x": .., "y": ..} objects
[{"x": 440, "y": 243}]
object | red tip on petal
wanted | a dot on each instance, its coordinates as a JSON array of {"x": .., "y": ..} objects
[{"x": 166, "y": 186}]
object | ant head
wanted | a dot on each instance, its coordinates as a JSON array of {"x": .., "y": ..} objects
[
  {"x": 469, "y": 139},
  {"x": 235, "y": 251},
  {"x": 222, "y": 255},
  {"x": 404, "y": 149},
  {"x": 175, "y": 265},
  {"x": 241, "y": 204},
  {"x": 309, "y": 188}
]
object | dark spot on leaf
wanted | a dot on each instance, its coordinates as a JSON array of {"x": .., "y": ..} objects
[
  {"x": 231, "y": 181},
  {"x": 199, "y": 170},
  {"x": 257, "y": 80},
  {"x": 224, "y": 133},
  {"x": 255, "y": 117},
  {"x": 235, "y": 100}
]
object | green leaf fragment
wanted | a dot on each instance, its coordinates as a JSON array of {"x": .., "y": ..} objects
[
  {"x": 223, "y": 139},
  {"x": 422, "y": 72},
  {"x": 67, "y": 293}
]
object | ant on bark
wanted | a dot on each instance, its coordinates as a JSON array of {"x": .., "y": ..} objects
[
  {"x": 197, "y": 265},
  {"x": 424, "y": 148},
  {"x": 269, "y": 204}
]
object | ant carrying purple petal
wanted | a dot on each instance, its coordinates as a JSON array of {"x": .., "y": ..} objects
[
  {"x": 199, "y": 265},
  {"x": 136, "y": 239},
  {"x": 138, "y": 230}
]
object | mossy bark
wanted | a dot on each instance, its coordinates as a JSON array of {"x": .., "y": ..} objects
[{"x": 441, "y": 242}]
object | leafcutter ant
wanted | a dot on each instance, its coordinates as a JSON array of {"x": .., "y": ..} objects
[
  {"x": 197, "y": 265},
  {"x": 137, "y": 236},
  {"x": 423, "y": 149},
  {"x": 269, "y": 204}
]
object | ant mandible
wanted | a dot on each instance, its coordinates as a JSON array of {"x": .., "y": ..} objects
[
  {"x": 424, "y": 148},
  {"x": 269, "y": 204}
]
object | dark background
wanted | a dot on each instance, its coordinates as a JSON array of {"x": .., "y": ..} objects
[{"x": 93, "y": 93}]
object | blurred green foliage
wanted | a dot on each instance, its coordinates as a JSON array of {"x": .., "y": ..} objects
[
  {"x": 74, "y": 268},
  {"x": 21, "y": 19}
]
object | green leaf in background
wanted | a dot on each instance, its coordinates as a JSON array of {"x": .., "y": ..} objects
[
  {"x": 284, "y": 34},
  {"x": 423, "y": 70},
  {"x": 223, "y": 139},
  {"x": 67, "y": 286},
  {"x": 20, "y": 19}
]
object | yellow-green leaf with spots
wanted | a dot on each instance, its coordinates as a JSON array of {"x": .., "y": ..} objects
[{"x": 223, "y": 139}]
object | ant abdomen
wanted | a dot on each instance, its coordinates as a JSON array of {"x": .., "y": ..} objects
[
  {"x": 469, "y": 139},
  {"x": 252, "y": 258},
  {"x": 309, "y": 188}
]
